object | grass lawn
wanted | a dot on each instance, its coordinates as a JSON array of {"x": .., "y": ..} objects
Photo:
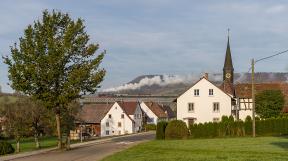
[
  {"x": 232, "y": 149},
  {"x": 28, "y": 144}
]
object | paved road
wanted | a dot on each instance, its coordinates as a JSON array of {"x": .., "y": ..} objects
[{"x": 91, "y": 152}]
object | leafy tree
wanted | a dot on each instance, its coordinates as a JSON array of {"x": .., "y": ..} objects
[
  {"x": 269, "y": 103},
  {"x": 16, "y": 123},
  {"x": 54, "y": 63},
  {"x": 38, "y": 117}
]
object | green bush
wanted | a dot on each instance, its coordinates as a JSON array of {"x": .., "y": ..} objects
[
  {"x": 176, "y": 129},
  {"x": 6, "y": 148},
  {"x": 160, "y": 130},
  {"x": 150, "y": 127},
  {"x": 229, "y": 128}
]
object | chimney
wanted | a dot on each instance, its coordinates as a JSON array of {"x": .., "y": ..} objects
[{"x": 206, "y": 76}]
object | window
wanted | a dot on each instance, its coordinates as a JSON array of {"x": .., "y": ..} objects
[
  {"x": 135, "y": 116},
  {"x": 107, "y": 132},
  {"x": 116, "y": 108},
  {"x": 107, "y": 124},
  {"x": 196, "y": 92},
  {"x": 216, "y": 119},
  {"x": 190, "y": 107},
  {"x": 216, "y": 107},
  {"x": 119, "y": 124},
  {"x": 122, "y": 116},
  {"x": 110, "y": 116},
  {"x": 211, "y": 92}
]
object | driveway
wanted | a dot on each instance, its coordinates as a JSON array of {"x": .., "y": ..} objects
[{"x": 92, "y": 152}]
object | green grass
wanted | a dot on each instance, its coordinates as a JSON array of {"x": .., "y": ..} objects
[
  {"x": 28, "y": 144},
  {"x": 232, "y": 149}
]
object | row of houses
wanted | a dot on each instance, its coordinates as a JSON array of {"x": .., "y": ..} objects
[{"x": 119, "y": 118}]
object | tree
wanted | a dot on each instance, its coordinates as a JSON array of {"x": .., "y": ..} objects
[
  {"x": 269, "y": 103},
  {"x": 38, "y": 117},
  {"x": 54, "y": 63},
  {"x": 16, "y": 123}
]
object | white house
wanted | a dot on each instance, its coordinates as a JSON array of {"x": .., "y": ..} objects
[
  {"x": 203, "y": 102},
  {"x": 155, "y": 112},
  {"x": 122, "y": 118}
]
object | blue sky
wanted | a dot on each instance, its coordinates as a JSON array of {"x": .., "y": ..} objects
[{"x": 164, "y": 36}]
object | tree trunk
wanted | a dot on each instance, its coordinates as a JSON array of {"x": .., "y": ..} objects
[
  {"x": 68, "y": 141},
  {"x": 17, "y": 145},
  {"x": 37, "y": 143},
  {"x": 59, "y": 130}
]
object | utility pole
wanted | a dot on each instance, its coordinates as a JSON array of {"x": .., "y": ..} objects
[{"x": 253, "y": 97}]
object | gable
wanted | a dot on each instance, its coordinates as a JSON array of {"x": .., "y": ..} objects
[{"x": 204, "y": 85}]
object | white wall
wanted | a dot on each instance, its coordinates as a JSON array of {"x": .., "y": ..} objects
[
  {"x": 245, "y": 108},
  {"x": 203, "y": 104},
  {"x": 126, "y": 123},
  {"x": 138, "y": 119},
  {"x": 149, "y": 113}
]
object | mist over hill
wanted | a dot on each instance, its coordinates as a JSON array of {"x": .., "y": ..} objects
[{"x": 176, "y": 84}]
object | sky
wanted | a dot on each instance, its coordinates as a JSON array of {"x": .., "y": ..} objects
[{"x": 163, "y": 36}]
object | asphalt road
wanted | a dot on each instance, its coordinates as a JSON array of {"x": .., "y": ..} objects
[{"x": 91, "y": 152}]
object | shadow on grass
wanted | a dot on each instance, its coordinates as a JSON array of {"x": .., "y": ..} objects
[{"x": 282, "y": 144}]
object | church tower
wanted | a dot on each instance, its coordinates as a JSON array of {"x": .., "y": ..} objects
[{"x": 228, "y": 70}]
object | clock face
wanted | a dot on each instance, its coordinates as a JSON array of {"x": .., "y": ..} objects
[{"x": 228, "y": 75}]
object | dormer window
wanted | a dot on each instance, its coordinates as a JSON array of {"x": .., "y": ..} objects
[
  {"x": 196, "y": 92},
  {"x": 211, "y": 92}
]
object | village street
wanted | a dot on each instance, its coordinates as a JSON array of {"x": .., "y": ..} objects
[{"x": 92, "y": 152}]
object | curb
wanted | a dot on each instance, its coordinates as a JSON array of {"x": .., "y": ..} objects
[{"x": 36, "y": 152}]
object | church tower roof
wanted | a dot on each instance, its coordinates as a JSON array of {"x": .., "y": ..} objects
[{"x": 228, "y": 58}]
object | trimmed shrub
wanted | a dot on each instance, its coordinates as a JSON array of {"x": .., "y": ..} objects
[
  {"x": 226, "y": 128},
  {"x": 160, "y": 130},
  {"x": 176, "y": 129},
  {"x": 150, "y": 127},
  {"x": 6, "y": 148}
]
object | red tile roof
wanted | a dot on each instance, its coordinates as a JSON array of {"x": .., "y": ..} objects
[
  {"x": 156, "y": 109},
  {"x": 93, "y": 113},
  {"x": 244, "y": 90},
  {"x": 128, "y": 107}
]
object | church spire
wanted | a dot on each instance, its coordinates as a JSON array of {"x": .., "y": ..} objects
[{"x": 228, "y": 70}]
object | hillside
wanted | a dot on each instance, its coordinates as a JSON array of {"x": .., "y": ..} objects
[{"x": 175, "y": 85}]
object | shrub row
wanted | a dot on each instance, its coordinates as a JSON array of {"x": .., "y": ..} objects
[
  {"x": 175, "y": 129},
  {"x": 228, "y": 127},
  {"x": 160, "y": 130},
  {"x": 6, "y": 148},
  {"x": 150, "y": 127}
]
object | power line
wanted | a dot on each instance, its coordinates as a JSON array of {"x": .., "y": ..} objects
[
  {"x": 282, "y": 52},
  {"x": 271, "y": 56}
]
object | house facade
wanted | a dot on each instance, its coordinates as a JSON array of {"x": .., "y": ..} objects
[
  {"x": 203, "y": 102},
  {"x": 122, "y": 118}
]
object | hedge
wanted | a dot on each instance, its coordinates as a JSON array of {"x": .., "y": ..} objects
[
  {"x": 176, "y": 129},
  {"x": 150, "y": 127},
  {"x": 229, "y": 128},
  {"x": 6, "y": 148},
  {"x": 160, "y": 130}
]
